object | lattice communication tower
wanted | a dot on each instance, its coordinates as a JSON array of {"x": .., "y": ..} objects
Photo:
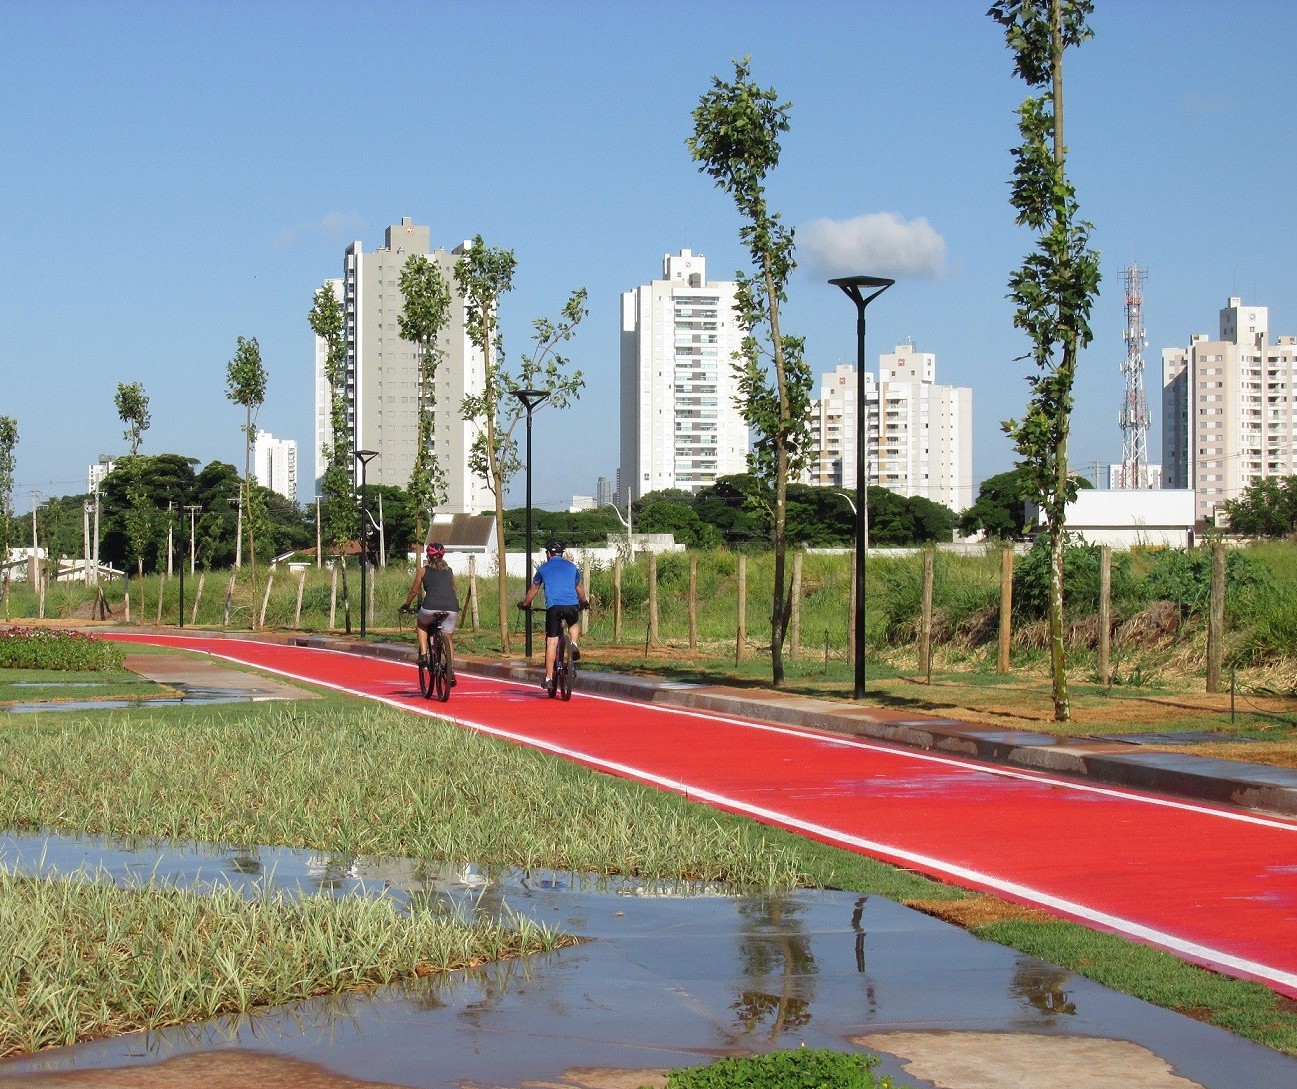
[{"x": 1134, "y": 408}]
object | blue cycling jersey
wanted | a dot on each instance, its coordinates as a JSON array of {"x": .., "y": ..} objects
[{"x": 559, "y": 577}]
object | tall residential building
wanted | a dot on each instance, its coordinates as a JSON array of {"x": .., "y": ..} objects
[
  {"x": 1229, "y": 411},
  {"x": 274, "y": 464},
  {"x": 383, "y": 371},
  {"x": 919, "y": 434},
  {"x": 679, "y": 425}
]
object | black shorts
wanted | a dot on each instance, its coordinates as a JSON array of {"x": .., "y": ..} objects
[{"x": 557, "y": 613}]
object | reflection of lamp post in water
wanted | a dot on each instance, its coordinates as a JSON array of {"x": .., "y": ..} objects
[{"x": 861, "y": 290}]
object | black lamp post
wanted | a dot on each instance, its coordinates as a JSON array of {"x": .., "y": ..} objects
[
  {"x": 364, "y": 457},
  {"x": 530, "y": 399},
  {"x": 861, "y": 290}
]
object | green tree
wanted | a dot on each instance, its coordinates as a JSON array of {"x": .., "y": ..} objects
[
  {"x": 136, "y": 497},
  {"x": 736, "y": 139},
  {"x": 8, "y": 441},
  {"x": 1267, "y": 508},
  {"x": 246, "y": 385},
  {"x": 133, "y": 409},
  {"x": 483, "y": 276},
  {"x": 1001, "y": 507},
  {"x": 426, "y": 313},
  {"x": 1057, "y": 283},
  {"x": 339, "y": 514}
]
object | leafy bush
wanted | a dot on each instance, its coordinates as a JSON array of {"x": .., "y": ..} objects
[
  {"x": 1185, "y": 578},
  {"x": 805, "y": 1068},
  {"x": 53, "y": 648}
]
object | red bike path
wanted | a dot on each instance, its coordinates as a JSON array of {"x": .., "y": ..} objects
[{"x": 1211, "y": 884}]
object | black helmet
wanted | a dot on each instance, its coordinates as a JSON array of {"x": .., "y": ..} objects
[{"x": 556, "y": 548}]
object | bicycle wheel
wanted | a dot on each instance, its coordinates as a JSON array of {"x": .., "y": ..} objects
[
  {"x": 440, "y": 679},
  {"x": 564, "y": 666},
  {"x": 425, "y": 681}
]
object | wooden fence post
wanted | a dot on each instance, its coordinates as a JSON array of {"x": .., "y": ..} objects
[
  {"x": 1105, "y": 612},
  {"x": 1216, "y": 617},
  {"x": 301, "y": 589},
  {"x": 265, "y": 600},
  {"x": 653, "y": 598},
  {"x": 333, "y": 595},
  {"x": 1006, "y": 607},
  {"x": 616, "y": 601},
  {"x": 741, "y": 636},
  {"x": 229, "y": 599},
  {"x": 472, "y": 592},
  {"x": 925, "y": 617},
  {"x": 795, "y": 621},
  {"x": 693, "y": 603},
  {"x": 198, "y": 596}
]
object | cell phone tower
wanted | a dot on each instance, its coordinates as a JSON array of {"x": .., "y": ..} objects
[{"x": 1134, "y": 408}]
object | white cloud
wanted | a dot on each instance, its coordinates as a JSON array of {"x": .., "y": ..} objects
[
  {"x": 880, "y": 244},
  {"x": 333, "y": 227}
]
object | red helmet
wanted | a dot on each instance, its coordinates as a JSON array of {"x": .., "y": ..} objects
[{"x": 436, "y": 550}]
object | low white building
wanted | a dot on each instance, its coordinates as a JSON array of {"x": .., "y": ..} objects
[{"x": 1130, "y": 517}]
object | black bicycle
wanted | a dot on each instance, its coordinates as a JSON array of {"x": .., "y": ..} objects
[
  {"x": 564, "y": 676},
  {"x": 434, "y": 674}
]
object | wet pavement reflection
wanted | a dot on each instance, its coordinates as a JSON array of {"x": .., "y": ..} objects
[{"x": 675, "y": 975}]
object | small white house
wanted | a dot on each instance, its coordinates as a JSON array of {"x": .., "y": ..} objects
[{"x": 1131, "y": 517}]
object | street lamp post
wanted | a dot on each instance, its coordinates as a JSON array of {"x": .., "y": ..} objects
[
  {"x": 191, "y": 510},
  {"x": 861, "y": 290},
  {"x": 530, "y": 398},
  {"x": 364, "y": 457}
]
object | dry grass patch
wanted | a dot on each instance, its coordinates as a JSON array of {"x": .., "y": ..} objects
[{"x": 979, "y": 910}]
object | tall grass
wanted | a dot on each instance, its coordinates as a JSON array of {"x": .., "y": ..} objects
[{"x": 360, "y": 780}]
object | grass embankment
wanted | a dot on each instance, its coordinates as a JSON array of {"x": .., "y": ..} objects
[{"x": 348, "y": 778}]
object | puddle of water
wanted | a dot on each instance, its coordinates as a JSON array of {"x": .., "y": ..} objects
[
  {"x": 190, "y": 695},
  {"x": 676, "y": 974}
]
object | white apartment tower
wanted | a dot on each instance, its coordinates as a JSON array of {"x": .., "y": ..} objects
[
  {"x": 679, "y": 425},
  {"x": 274, "y": 464},
  {"x": 383, "y": 371},
  {"x": 919, "y": 434},
  {"x": 1229, "y": 412}
]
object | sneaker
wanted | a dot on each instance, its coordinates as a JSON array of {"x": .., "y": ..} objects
[
  {"x": 546, "y": 683},
  {"x": 576, "y": 653},
  {"x": 421, "y": 660}
]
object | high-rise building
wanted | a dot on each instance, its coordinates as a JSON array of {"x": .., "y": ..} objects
[
  {"x": 919, "y": 435},
  {"x": 679, "y": 425},
  {"x": 274, "y": 464},
  {"x": 383, "y": 371},
  {"x": 1229, "y": 411}
]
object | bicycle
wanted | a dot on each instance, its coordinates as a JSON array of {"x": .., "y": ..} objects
[
  {"x": 434, "y": 675},
  {"x": 560, "y": 683}
]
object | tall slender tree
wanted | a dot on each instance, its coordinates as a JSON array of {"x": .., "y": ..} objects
[
  {"x": 8, "y": 441},
  {"x": 736, "y": 140},
  {"x": 1057, "y": 283},
  {"x": 246, "y": 386},
  {"x": 483, "y": 276},
  {"x": 133, "y": 409},
  {"x": 338, "y": 513},
  {"x": 424, "y": 316}
]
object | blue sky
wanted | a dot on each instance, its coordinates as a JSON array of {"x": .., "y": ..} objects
[{"x": 181, "y": 174}]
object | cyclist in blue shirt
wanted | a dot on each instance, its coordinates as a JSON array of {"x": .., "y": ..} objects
[{"x": 564, "y": 598}]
